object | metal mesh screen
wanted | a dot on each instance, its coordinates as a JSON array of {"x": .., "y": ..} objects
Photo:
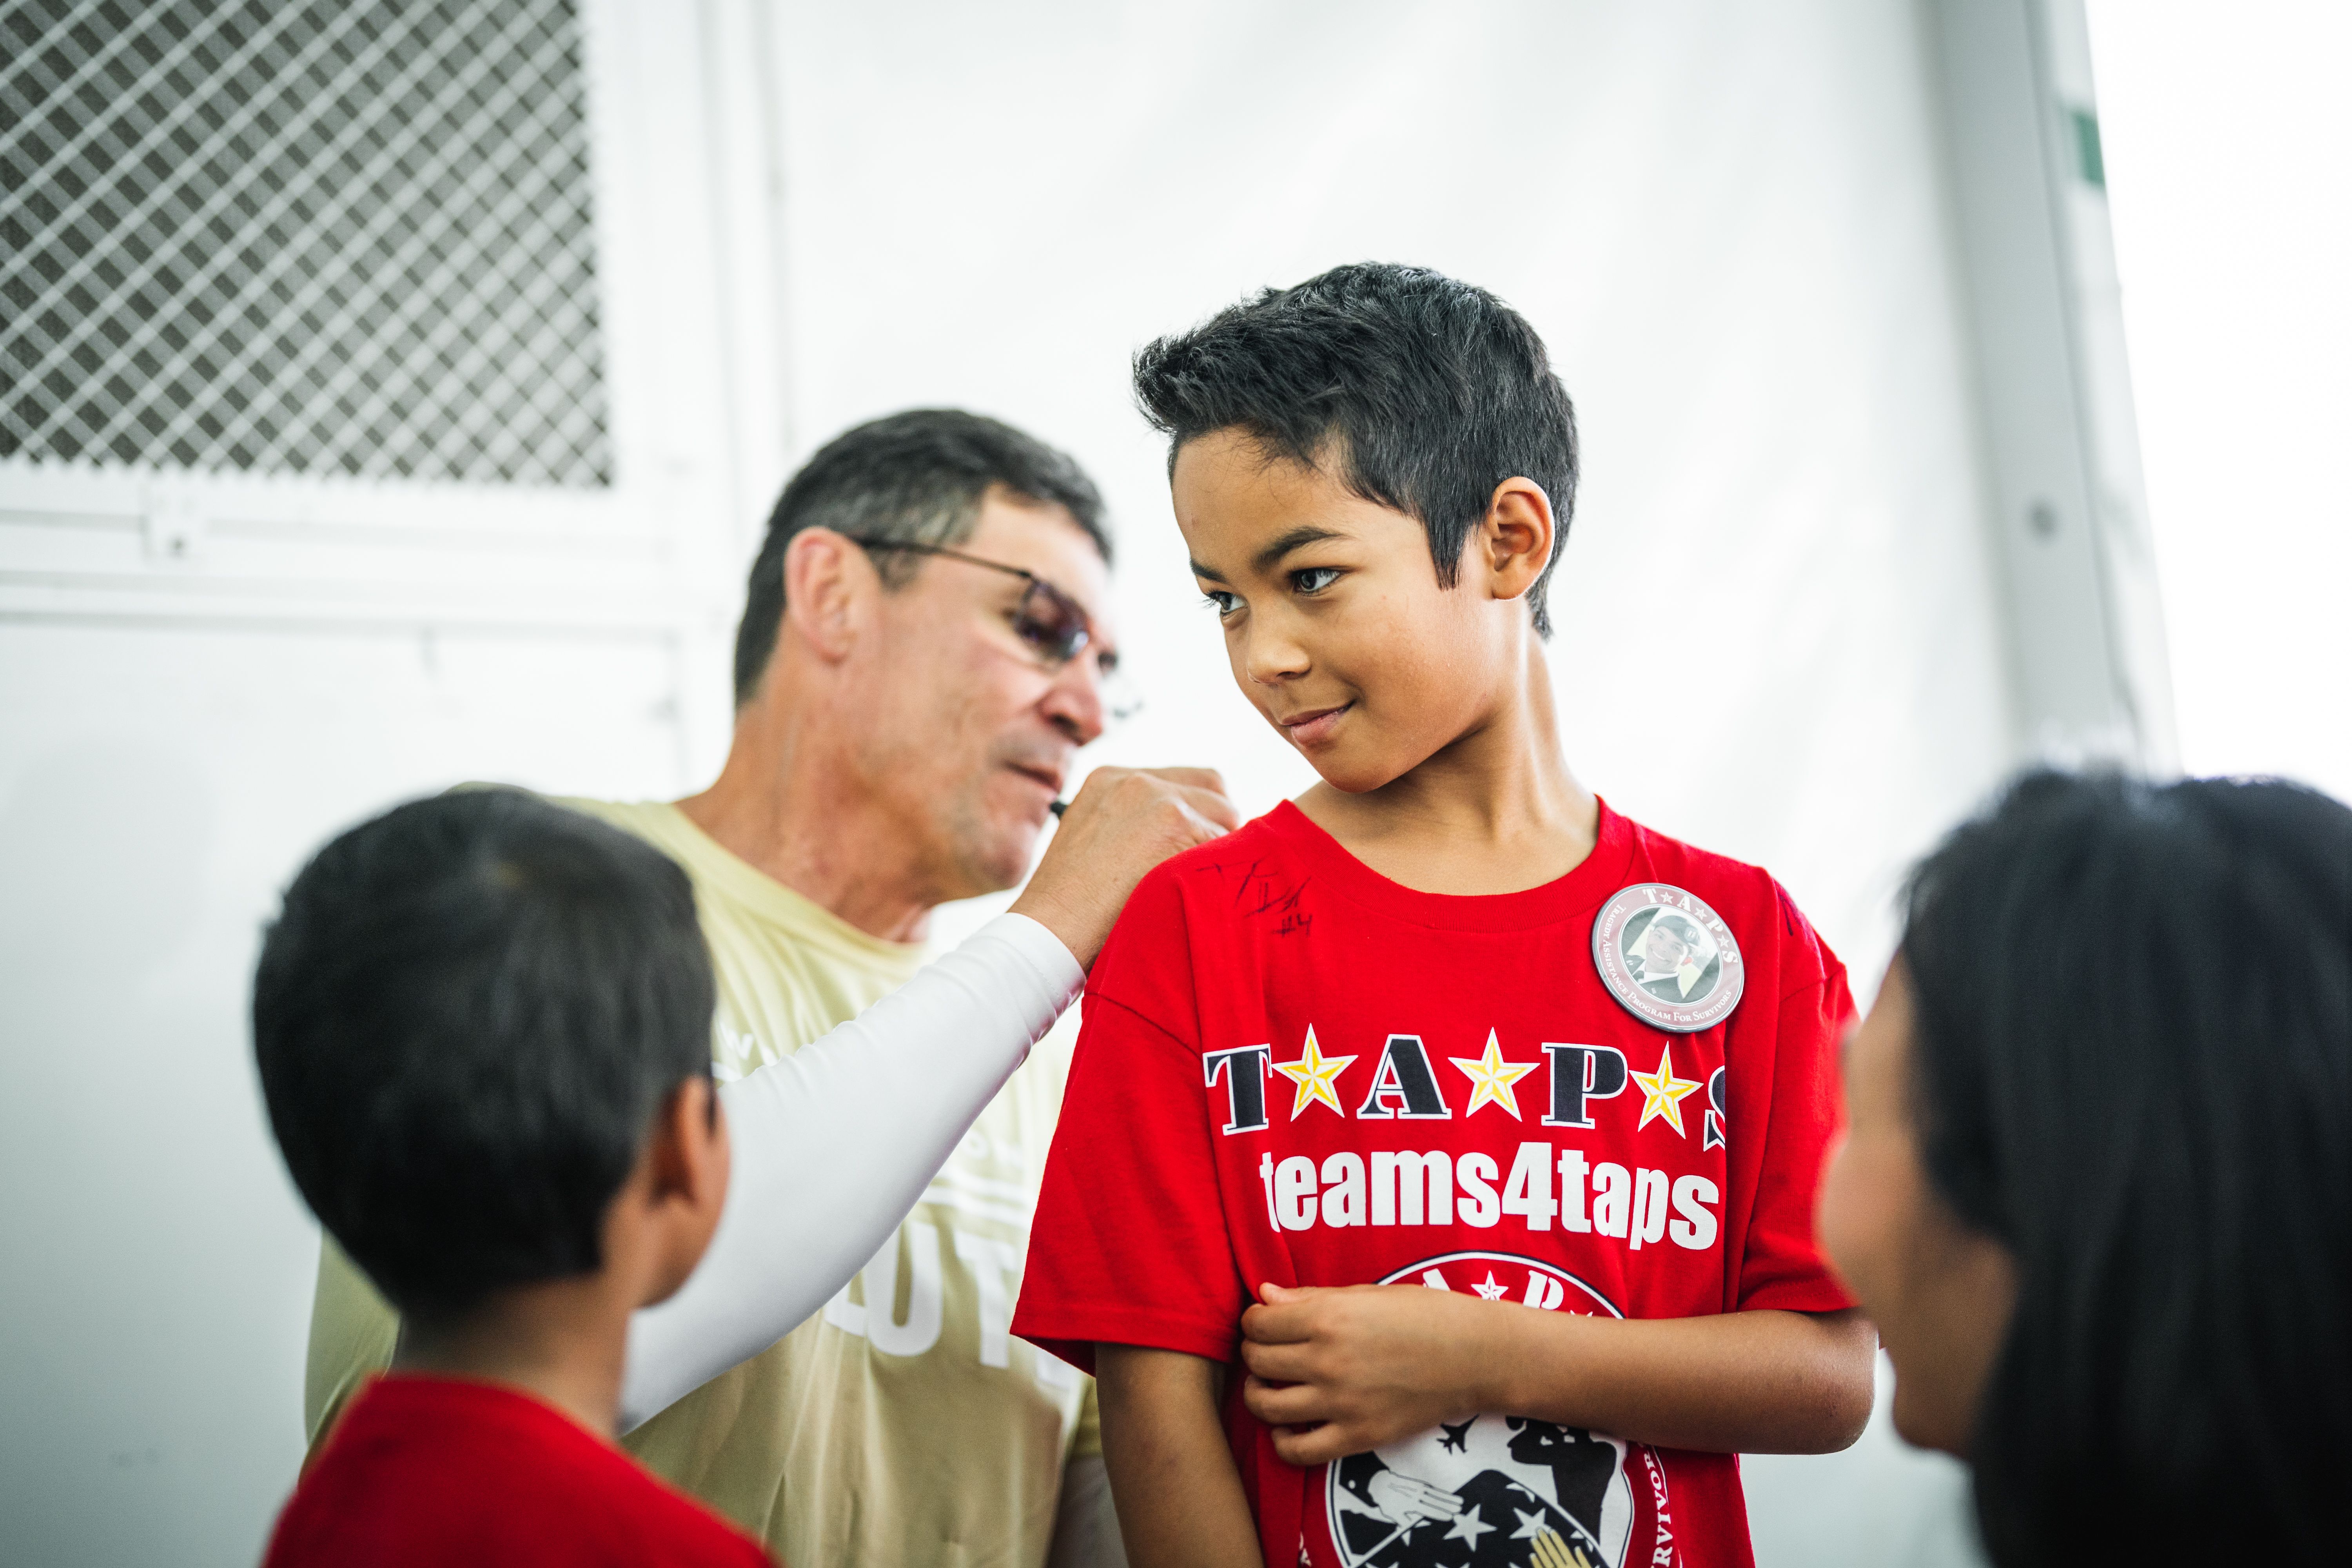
[{"x": 310, "y": 236}]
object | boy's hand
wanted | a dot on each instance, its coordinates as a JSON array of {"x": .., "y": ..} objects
[
  {"x": 1123, "y": 821},
  {"x": 1339, "y": 1371}
]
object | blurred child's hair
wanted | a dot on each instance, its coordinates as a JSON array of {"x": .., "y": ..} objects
[
  {"x": 1414, "y": 391},
  {"x": 465, "y": 1017},
  {"x": 2133, "y": 1052}
]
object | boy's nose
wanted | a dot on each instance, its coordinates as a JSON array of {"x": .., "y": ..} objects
[{"x": 1269, "y": 660}]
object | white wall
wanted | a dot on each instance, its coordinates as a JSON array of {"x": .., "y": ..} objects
[
  {"x": 1728, "y": 226},
  {"x": 157, "y": 786},
  {"x": 1725, "y": 220},
  {"x": 2229, "y": 152}
]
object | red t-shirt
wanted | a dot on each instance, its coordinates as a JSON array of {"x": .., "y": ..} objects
[
  {"x": 428, "y": 1470},
  {"x": 1294, "y": 1070}
]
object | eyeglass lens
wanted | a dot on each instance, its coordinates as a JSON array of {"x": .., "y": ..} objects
[
  {"x": 1054, "y": 625},
  {"x": 1050, "y": 622}
]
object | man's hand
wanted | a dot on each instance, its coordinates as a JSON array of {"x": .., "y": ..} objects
[
  {"x": 1365, "y": 1364},
  {"x": 1124, "y": 822}
]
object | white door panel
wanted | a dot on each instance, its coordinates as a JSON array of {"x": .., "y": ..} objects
[{"x": 158, "y": 786}]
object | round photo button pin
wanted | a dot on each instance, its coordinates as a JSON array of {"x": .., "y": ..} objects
[{"x": 1667, "y": 957}]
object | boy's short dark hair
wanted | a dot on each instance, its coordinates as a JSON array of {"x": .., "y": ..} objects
[
  {"x": 916, "y": 477},
  {"x": 1413, "y": 390},
  {"x": 465, "y": 1017}
]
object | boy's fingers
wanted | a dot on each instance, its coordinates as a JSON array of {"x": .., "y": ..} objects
[
  {"x": 1276, "y": 1363},
  {"x": 1275, "y": 1325},
  {"x": 1286, "y": 1317},
  {"x": 1318, "y": 1445},
  {"x": 1275, "y": 1295},
  {"x": 1292, "y": 1406}
]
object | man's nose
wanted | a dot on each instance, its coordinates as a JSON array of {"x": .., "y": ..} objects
[{"x": 1074, "y": 703}]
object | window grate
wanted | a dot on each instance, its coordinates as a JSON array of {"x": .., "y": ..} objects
[{"x": 326, "y": 237}]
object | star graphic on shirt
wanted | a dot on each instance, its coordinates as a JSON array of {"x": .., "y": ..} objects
[
  {"x": 1530, "y": 1525},
  {"x": 1662, "y": 1093},
  {"x": 1314, "y": 1073},
  {"x": 1490, "y": 1291},
  {"x": 1469, "y": 1525},
  {"x": 1491, "y": 1077}
]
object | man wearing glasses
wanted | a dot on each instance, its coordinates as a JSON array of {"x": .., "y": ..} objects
[{"x": 924, "y": 649}]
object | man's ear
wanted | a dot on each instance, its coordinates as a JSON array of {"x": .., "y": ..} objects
[
  {"x": 828, "y": 581},
  {"x": 1516, "y": 536}
]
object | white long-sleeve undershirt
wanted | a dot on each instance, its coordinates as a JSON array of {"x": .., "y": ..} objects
[{"x": 834, "y": 1144}]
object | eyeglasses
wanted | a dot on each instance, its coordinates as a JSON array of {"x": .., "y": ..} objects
[{"x": 1055, "y": 625}]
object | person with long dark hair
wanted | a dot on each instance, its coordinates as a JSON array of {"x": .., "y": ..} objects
[{"x": 2096, "y": 1186}]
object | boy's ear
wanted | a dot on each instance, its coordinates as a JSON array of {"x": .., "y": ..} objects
[
  {"x": 690, "y": 1152},
  {"x": 687, "y": 1164},
  {"x": 1515, "y": 539}
]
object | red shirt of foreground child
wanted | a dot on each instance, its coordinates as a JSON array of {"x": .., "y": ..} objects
[
  {"x": 427, "y": 1469},
  {"x": 1608, "y": 1095}
]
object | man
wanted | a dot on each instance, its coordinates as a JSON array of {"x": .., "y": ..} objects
[{"x": 924, "y": 649}]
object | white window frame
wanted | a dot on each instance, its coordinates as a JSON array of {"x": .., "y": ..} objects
[{"x": 686, "y": 214}]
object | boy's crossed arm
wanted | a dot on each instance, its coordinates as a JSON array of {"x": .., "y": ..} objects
[{"x": 1339, "y": 1371}]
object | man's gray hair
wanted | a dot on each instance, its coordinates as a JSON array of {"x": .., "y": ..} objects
[{"x": 917, "y": 478}]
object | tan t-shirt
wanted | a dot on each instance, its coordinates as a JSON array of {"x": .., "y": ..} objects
[{"x": 904, "y": 1424}]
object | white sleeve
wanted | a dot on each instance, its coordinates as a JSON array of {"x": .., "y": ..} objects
[{"x": 834, "y": 1145}]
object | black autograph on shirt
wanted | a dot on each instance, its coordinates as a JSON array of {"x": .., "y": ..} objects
[{"x": 1260, "y": 896}]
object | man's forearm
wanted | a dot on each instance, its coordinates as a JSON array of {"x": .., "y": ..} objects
[
  {"x": 834, "y": 1144},
  {"x": 1180, "y": 1504}
]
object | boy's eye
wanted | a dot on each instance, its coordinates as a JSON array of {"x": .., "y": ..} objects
[
  {"x": 1223, "y": 604},
  {"x": 1314, "y": 579}
]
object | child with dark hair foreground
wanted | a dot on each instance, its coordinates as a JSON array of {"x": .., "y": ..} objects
[
  {"x": 483, "y": 1026},
  {"x": 2098, "y": 1185},
  {"x": 1547, "y": 1089}
]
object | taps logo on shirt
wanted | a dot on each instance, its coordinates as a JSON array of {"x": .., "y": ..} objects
[
  {"x": 1500, "y": 1491},
  {"x": 1405, "y": 1084},
  {"x": 1668, "y": 957}
]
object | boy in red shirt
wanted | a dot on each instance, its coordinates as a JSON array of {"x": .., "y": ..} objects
[
  {"x": 483, "y": 1028},
  {"x": 1446, "y": 1025}
]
